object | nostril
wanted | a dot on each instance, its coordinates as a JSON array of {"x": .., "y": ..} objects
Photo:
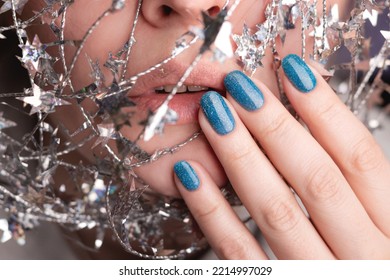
[
  {"x": 213, "y": 11},
  {"x": 166, "y": 10}
]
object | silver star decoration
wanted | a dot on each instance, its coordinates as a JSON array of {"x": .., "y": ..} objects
[
  {"x": 182, "y": 43},
  {"x": 308, "y": 17},
  {"x": 211, "y": 29},
  {"x": 41, "y": 100},
  {"x": 46, "y": 73},
  {"x": 106, "y": 133},
  {"x": 372, "y": 16},
  {"x": 96, "y": 73},
  {"x": 32, "y": 53},
  {"x": 247, "y": 50},
  {"x": 332, "y": 40},
  {"x": 157, "y": 121},
  {"x": 46, "y": 177},
  {"x": 223, "y": 47},
  {"x": 386, "y": 35},
  {"x": 114, "y": 63},
  {"x": 7, "y": 6},
  {"x": 262, "y": 32}
]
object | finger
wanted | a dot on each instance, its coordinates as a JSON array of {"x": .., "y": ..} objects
[
  {"x": 259, "y": 186},
  {"x": 347, "y": 141},
  {"x": 226, "y": 234},
  {"x": 333, "y": 207}
]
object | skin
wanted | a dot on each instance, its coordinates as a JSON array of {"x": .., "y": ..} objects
[
  {"x": 159, "y": 33},
  {"x": 334, "y": 181},
  {"x": 338, "y": 170}
]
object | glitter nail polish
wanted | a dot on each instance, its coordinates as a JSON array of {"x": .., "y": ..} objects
[
  {"x": 217, "y": 112},
  {"x": 186, "y": 175},
  {"x": 299, "y": 73},
  {"x": 244, "y": 90}
]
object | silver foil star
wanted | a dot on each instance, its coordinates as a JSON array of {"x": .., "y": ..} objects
[
  {"x": 106, "y": 133},
  {"x": 223, "y": 47},
  {"x": 7, "y": 6},
  {"x": 32, "y": 53},
  {"x": 247, "y": 50},
  {"x": 41, "y": 100},
  {"x": 157, "y": 121}
]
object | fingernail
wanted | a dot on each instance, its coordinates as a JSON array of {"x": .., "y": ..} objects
[
  {"x": 186, "y": 175},
  {"x": 244, "y": 90},
  {"x": 299, "y": 73},
  {"x": 217, "y": 112}
]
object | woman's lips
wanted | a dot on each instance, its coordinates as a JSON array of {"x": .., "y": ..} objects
[{"x": 186, "y": 105}]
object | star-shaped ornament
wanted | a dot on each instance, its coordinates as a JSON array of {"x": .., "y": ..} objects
[
  {"x": 247, "y": 50},
  {"x": 106, "y": 133},
  {"x": 157, "y": 121},
  {"x": 223, "y": 47},
  {"x": 216, "y": 31},
  {"x": 7, "y": 6},
  {"x": 31, "y": 54},
  {"x": 372, "y": 16},
  {"x": 41, "y": 100},
  {"x": 386, "y": 35}
]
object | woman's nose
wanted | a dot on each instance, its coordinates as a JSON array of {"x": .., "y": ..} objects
[{"x": 161, "y": 13}]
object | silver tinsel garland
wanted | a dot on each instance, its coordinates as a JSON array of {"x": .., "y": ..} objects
[{"x": 109, "y": 193}]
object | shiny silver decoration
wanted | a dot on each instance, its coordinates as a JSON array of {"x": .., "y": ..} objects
[{"x": 106, "y": 193}]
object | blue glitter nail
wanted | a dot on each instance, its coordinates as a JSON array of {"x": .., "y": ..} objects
[
  {"x": 299, "y": 73},
  {"x": 217, "y": 112},
  {"x": 244, "y": 90},
  {"x": 186, "y": 175}
]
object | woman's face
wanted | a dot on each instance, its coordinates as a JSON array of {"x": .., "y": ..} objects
[{"x": 160, "y": 24}]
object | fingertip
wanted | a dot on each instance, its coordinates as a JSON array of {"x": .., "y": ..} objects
[
  {"x": 218, "y": 113},
  {"x": 185, "y": 176},
  {"x": 299, "y": 73}
]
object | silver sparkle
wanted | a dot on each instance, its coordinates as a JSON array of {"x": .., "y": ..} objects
[{"x": 111, "y": 194}]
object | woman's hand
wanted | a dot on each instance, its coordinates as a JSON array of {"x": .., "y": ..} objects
[{"x": 338, "y": 171}]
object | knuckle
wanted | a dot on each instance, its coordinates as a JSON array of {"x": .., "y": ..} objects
[
  {"x": 322, "y": 184},
  {"x": 277, "y": 127},
  {"x": 206, "y": 213},
  {"x": 282, "y": 216},
  {"x": 233, "y": 247},
  {"x": 366, "y": 155},
  {"x": 239, "y": 154},
  {"x": 327, "y": 111}
]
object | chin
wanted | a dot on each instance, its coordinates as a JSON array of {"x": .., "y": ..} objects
[{"x": 159, "y": 174}]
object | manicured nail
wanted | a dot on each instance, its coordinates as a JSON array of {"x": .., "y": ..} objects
[
  {"x": 244, "y": 90},
  {"x": 217, "y": 112},
  {"x": 186, "y": 175},
  {"x": 299, "y": 73}
]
